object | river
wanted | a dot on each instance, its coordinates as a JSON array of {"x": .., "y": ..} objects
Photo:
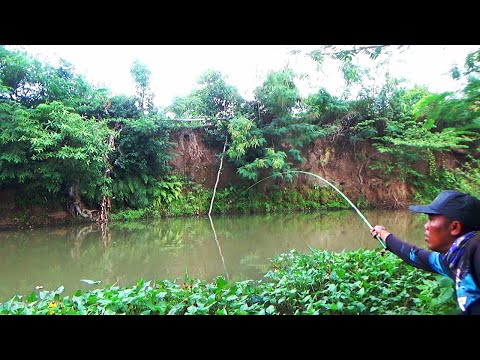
[{"x": 234, "y": 247}]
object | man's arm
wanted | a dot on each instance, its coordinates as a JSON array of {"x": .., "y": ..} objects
[{"x": 415, "y": 256}]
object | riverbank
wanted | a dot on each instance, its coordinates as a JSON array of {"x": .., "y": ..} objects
[
  {"x": 35, "y": 217},
  {"x": 190, "y": 203}
]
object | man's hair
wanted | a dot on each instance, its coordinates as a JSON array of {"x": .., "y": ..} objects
[
  {"x": 472, "y": 228},
  {"x": 448, "y": 221},
  {"x": 466, "y": 228}
]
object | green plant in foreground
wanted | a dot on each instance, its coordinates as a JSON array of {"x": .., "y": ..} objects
[{"x": 360, "y": 282}]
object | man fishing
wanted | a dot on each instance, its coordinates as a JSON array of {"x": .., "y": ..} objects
[{"x": 452, "y": 233}]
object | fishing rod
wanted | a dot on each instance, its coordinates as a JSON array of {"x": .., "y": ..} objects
[{"x": 379, "y": 239}]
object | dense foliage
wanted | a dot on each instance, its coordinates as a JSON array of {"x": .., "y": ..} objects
[
  {"x": 322, "y": 283},
  {"x": 58, "y": 131}
]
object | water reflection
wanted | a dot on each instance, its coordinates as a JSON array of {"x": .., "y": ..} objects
[
  {"x": 235, "y": 247},
  {"x": 218, "y": 245}
]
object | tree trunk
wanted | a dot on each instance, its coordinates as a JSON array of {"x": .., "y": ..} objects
[
  {"x": 76, "y": 207},
  {"x": 106, "y": 204},
  {"x": 105, "y": 207}
]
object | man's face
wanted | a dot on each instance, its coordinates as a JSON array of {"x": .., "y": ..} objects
[{"x": 438, "y": 233}]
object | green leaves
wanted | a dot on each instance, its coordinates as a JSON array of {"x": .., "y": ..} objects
[
  {"x": 269, "y": 137},
  {"x": 166, "y": 191},
  {"x": 141, "y": 75},
  {"x": 320, "y": 283},
  {"x": 244, "y": 135},
  {"x": 277, "y": 95},
  {"x": 51, "y": 147}
]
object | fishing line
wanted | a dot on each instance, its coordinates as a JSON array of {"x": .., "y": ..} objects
[{"x": 379, "y": 239}]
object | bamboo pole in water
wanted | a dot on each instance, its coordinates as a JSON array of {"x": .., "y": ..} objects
[
  {"x": 218, "y": 176},
  {"x": 218, "y": 245}
]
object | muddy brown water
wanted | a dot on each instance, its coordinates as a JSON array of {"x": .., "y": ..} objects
[{"x": 234, "y": 247}]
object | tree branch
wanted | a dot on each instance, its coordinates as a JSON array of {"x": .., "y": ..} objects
[{"x": 218, "y": 175}]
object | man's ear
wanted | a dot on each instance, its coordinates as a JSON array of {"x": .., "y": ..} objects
[{"x": 456, "y": 228}]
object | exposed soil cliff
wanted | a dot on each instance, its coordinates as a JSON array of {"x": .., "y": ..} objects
[
  {"x": 346, "y": 168},
  {"x": 200, "y": 162}
]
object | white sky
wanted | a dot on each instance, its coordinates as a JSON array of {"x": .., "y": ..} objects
[{"x": 176, "y": 68}]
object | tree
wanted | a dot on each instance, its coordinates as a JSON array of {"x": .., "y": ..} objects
[
  {"x": 140, "y": 159},
  {"x": 46, "y": 150},
  {"x": 29, "y": 82},
  {"x": 141, "y": 75},
  {"x": 212, "y": 99},
  {"x": 356, "y": 63},
  {"x": 271, "y": 141}
]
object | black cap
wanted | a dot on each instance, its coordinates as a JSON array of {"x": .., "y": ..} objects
[{"x": 454, "y": 205}]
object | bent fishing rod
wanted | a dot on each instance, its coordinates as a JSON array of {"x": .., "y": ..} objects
[{"x": 379, "y": 239}]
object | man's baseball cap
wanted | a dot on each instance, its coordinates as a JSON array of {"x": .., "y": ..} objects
[{"x": 454, "y": 205}]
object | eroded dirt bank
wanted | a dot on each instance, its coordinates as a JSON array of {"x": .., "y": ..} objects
[{"x": 347, "y": 168}]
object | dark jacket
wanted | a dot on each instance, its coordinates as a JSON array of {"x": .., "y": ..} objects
[{"x": 461, "y": 264}]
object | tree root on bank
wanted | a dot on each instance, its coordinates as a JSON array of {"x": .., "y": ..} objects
[{"x": 76, "y": 207}]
